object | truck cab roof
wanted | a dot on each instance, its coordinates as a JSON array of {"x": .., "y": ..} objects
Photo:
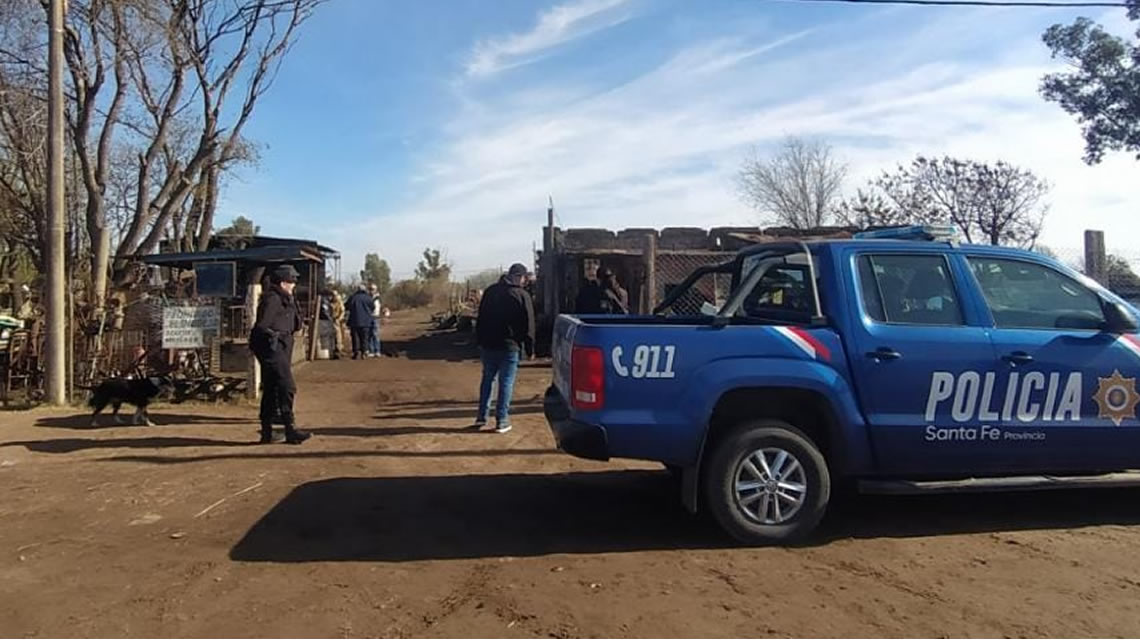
[
  {"x": 919, "y": 237},
  {"x": 891, "y": 245}
]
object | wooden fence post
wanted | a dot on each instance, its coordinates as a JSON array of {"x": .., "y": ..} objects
[
  {"x": 650, "y": 257},
  {"x": 1095, "y": 257}
]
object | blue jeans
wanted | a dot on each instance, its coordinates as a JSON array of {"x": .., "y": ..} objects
[
  {"x": 503, "y": 364},
  {"x": 374, "y": 338}
]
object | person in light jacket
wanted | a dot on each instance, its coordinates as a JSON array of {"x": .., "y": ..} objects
[{"x": 374, "y": 328}]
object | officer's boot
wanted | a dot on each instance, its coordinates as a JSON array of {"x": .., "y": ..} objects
[
  {"x": 266, "y": 433},
  {"x": 294, "y": 435}
]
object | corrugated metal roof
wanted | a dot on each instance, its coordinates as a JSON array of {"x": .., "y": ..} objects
[
  {"x": 269, "y": 254},
  {"x": 265, "y": 241}
]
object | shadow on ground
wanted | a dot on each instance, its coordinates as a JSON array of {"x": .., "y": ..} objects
[
  {"x": 387, "y": 403},
  {"x": 479, "y": 516},
  {"x": 285, "y": 452},
  {"x": 452, "y": 346},
  {"x": 157, "y": 416},
  {"x": 421, "y": 518},
  {"x": 467, "y": 414},
  {"x": 71, "y": 445},
  {"x": 369, "y": 432}
]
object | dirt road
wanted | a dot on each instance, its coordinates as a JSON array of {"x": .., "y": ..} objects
[{"x": 395, "y": 521}]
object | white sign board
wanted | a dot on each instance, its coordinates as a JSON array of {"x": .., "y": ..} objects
[{"x": 186, "y": 327}]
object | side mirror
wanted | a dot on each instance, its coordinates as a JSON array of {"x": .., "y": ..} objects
[{"x": 1119, "y": 318}]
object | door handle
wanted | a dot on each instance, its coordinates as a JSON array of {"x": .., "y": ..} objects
[
  {"x": 884, "y": 353},
  {"x": 1017, "y": 357}
]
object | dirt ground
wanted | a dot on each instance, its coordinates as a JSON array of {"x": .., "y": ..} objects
[{"x": 393, "y": 521}]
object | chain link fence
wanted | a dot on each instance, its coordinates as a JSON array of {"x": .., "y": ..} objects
[
  {"x": 1121, "y": 273},
  {"x": 648, "y": 287},
  {"x": 131, "y": 343},
  {"x": 711, "y": 289}
]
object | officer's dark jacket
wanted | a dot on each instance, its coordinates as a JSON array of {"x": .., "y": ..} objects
[
  {"x": 596, "y": 298},
  {"x": 278, "y": 318},
  {"x": 506, "y": 318}
]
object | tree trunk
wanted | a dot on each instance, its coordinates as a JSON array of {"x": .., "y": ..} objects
[
  {"x": 100, "y": 263},
  {"x": 209, "y": 205}
]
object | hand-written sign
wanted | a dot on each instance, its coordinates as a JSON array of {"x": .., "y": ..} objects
[{"x": 189, "y": 327}]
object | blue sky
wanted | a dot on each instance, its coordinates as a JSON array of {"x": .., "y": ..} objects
[{"x": 396, "y": 125}]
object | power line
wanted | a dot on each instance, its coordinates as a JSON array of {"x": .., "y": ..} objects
[{"x": 977, "y": 3}]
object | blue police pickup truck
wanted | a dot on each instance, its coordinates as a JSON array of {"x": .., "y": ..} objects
[{"x": 882, "y": 362}]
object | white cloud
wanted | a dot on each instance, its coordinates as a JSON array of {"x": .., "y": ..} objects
[
  {"x": 662, "y": 149},
  {"x": 555, "y": 26}
]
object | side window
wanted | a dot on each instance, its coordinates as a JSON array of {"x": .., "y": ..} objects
[
  {"x": 1024, "y": 295},
  {"x": 908, "y": 289},
  {"x": 782, "y": 289}
]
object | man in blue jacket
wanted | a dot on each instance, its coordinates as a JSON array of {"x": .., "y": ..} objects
[{"x": 360, "y": 321}]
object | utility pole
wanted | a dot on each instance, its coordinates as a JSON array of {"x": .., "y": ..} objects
[
  {"x": 56, "y": 334},
  {"x": 548, "y": 265}
]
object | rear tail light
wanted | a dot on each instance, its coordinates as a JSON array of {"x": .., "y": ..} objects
[{"x": 587, "y": 378}]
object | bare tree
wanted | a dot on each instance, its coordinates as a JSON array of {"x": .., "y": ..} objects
[
  {"x": 95, "y": 49},
  {"x": 870, "y": 208},
  {"x": 989, "y": 203},
  {"x": 1010, "y": 204},
  {"x": 23, "y": 130},
  {"x": 159, "y": 92},
  {"x": 799, "y": 186},
  {"x": 223, "y": 48}
]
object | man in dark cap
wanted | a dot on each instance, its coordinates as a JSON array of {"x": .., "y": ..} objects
[
  {"x": 360, "y": 306},
  {"x": 504, "y": 329},
  {"x": 604, "y": 295},
  {"x": 271, "y": 340}
]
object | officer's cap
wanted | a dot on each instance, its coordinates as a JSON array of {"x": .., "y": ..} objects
[{"x": 285, "y": 273}]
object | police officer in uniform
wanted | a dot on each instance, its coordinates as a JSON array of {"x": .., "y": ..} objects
[{"x": 271, "y": 340}]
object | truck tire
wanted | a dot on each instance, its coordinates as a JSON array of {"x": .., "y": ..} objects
[{"x": 766, "y": 483}]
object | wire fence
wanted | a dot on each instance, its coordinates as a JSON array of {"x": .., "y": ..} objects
[
  {"x": 1121, "y": 270},
  {"x": 672, "y": 268}
]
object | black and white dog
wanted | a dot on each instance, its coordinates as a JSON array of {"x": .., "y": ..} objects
[{"x": 139, "y": 392}]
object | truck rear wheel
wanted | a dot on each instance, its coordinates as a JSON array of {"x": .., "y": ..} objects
[{"x": 766, "y": 482}]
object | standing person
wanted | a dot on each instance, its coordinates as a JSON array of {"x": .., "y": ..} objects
[
  {"x": 504, "y": 329},
  {"x": 338, "y": 312},
  {"x": 589, "y": 300},
  {"x": 360, "y": 320},
  {"x": 603, "y": 295},
  {"x": 374, "y": 328},
  {"x": 271, "y": 340},
  {"x": 27, "y": 309},
  {"x": 615, "y": 299}
]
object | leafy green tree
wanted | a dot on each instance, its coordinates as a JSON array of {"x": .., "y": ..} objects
[
  {"x": 1102, "y": 89},
  {"x": 433, "y": 267},
  {"x": 377, "y": 272},
  {"x": 484, "y": 279}
]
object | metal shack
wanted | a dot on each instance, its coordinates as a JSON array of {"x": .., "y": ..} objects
[
  {"x": 648, "y": 262},
  {"x": 230, "y": 280}
]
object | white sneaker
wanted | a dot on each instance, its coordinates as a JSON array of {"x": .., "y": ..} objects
[{"x": 502, "y": 427}]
